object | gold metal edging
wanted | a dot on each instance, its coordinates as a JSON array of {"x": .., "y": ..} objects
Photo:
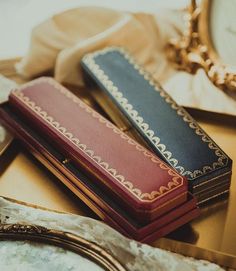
[
  {"x": 222, "y": 160},
  {"x": 168, "y": 202},
  {"x": 216, "y": 187},
  {"x": 214, "y": 196},
  {"x": 209, "y": 180},
  {"x": 62, "y": 239},
  {"x": 177, "y": 180}
]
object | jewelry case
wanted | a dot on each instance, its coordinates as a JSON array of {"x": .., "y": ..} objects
[
  {"x": 125, "y": 184},
  {"x": 138, "y": 104}
]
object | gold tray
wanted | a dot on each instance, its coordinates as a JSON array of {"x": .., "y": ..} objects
[{"x": 211, "y": 237}]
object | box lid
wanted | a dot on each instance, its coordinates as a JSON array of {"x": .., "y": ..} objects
[
  {"x": 166, "y": 127},
  {"x": 79, "y": 183},
  {"x": 135, "y": 176}
]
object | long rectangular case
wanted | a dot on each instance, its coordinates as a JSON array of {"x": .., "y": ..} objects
[
  {"x": 156, "y": 194},
  {"x": 138, "y": 104}
]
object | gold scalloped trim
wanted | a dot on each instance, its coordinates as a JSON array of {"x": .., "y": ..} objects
[
  {"x": 176, "y": 180},
  {"x": 222, "y": 160}
]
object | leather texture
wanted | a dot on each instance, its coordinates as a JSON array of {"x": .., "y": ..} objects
[
  {"x": 140, "y": 181},
  {"x": 167, "y": 128},
  {"x": 80, "y": 184}
]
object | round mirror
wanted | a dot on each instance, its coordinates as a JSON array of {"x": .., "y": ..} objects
[
  {"x": 217, "y": 31},
  {"x": 217, "y": 24},
  {"x": 32, "y": 248}
]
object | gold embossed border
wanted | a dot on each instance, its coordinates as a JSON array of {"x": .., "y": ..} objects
[
  {"x": 176, "y": 179},
  {"x": 222, "y": 158}
]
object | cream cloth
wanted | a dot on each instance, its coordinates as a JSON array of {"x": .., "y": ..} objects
[{"x": 59, "y": 44}]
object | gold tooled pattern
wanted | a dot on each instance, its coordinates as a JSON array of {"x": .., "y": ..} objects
[
  {"x": 222, "y": 159},
  {"x": 176, "y": 179}
]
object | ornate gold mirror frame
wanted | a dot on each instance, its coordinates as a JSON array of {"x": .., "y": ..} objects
[
  {"x": 195, "y": 48},
  {"x": 61, "y": 239}
]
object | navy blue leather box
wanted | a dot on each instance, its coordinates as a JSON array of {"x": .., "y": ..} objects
[{"x": 133, "y": 99}]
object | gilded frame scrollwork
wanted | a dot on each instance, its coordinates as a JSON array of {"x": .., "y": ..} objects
[
  {"x": 195, "y": 49},
  {"x": 61, "y": 239}
]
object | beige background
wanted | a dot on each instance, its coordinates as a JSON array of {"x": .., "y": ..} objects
[{"x": 18, "y": 17}]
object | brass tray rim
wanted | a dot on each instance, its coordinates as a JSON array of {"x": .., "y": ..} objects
[{"x": 225, "y": 260}]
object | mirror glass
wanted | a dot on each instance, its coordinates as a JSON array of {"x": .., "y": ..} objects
[
  {"x": 222, "y": 28},
  {"x": 33, "y": 256}
]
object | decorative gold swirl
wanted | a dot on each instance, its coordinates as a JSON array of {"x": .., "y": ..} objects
[{"x": 22, "y": 229}]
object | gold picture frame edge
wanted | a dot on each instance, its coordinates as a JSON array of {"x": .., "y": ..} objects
[
  {"x": 204, "y": 31},
  {"x": 66, "y": 240}
]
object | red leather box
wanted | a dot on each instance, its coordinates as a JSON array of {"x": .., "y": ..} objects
[{"x": 125, "y": 184}]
